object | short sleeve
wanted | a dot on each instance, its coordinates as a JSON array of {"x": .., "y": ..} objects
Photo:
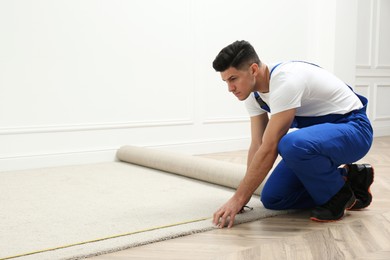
[
  {"x": 286, "y": 94},
  {"x": 253, "y": 107}
]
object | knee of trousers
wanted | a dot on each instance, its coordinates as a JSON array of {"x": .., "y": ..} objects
[
  {"x": 293, "y": 147},
  {"x": 270, "y": 202}
]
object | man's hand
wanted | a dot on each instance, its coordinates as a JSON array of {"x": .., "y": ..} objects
[{"x": 228, "y": 211}]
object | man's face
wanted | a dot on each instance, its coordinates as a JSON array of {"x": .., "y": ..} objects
[{"x": 240, "y": 82}]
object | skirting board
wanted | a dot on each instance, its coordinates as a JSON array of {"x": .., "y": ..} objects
[
  {"x": 55, "y": 159},
  {"x": 381, "y": 131}
]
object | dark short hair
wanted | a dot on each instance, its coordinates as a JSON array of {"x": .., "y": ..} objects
[{"x": 237, "y": 55}]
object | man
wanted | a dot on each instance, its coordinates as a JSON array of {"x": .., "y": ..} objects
[{"x": 333, "y": 130}]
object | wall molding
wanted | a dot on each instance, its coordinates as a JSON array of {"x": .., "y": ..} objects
[
  {"x": 383, "y": 66},
  {"x": 91, "y": 127},
  {"x": 55, "y": 159},
  {"x": 223, "y": 120},
  {"x": 371, "y": 31},
  {"x": 363, "y": 66},
  {"x": 381, "y": 131},
  {"x": 382, "y": 118},
  {"x": 378, "y": 24},
  {"x": 363, "y": 85},
  {"x": 377, "y": 86},
  {"x": 373, "y": 73}
]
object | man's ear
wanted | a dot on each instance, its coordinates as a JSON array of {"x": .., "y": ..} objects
[{"x": 254, "y": 68}]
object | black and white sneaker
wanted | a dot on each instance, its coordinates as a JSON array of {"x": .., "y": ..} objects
[
  {"x": 335, "y": 208},
  {"x": 360, "y": 178}
]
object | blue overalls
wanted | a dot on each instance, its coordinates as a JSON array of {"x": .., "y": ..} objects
[{"x": 308, "y": 174}]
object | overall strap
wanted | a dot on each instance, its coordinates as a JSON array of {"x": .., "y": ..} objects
[
  {"x": 259, "y": 100},
  {"x": 264, "y": 105},
  {"x": 272, "y": 70}
]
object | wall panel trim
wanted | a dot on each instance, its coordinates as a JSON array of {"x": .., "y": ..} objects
[
  {"x": 222, "y": 120},
  {"x": 91, "y": 127}
]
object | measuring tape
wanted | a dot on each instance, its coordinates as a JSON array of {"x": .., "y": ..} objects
[{"x": 105, "y": 238}]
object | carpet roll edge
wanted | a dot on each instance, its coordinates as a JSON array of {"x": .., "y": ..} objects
[{"x": 212, "y": 171}]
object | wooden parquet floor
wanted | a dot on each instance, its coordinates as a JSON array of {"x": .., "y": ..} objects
[{"x": 361, "y": 234}]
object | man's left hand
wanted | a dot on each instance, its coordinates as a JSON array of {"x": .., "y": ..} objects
[{"x": 227, "y": 213}]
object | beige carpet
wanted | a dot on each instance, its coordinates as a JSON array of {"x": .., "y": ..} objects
[{"x": 78, "y": 211}]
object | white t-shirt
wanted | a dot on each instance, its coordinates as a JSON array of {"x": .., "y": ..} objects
[{"x": 313, "y": 91}]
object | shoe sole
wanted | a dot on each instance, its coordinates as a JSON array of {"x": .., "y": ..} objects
[
  {"x": 369, "y": 181},
  {"x": 351, "y": 203}
]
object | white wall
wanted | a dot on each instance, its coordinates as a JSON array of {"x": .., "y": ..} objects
[
  {"x": 80, "y": 78},
  {"x": 373, "y": 61}
]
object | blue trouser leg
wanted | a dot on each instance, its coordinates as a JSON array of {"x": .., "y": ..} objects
[
  {"x": 283, "y": 190},
  {"x": 309, "y": 173}
]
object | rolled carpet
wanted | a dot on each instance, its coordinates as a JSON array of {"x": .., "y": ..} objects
[
  {"x": 78, "y": 211},
  {"x": 208, "y": 170}
]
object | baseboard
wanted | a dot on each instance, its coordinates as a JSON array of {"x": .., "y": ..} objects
[
  {"x": 56, "y": 159},
  {"x": 381, "y": 131}
]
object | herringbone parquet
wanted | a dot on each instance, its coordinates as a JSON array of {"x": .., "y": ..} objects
[{"x": 359, "y": 235}]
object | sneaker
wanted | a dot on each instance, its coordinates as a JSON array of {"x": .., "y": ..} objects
[
  {"x": 335, "y": 208},
  {"x": 360, "y": 177}
]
